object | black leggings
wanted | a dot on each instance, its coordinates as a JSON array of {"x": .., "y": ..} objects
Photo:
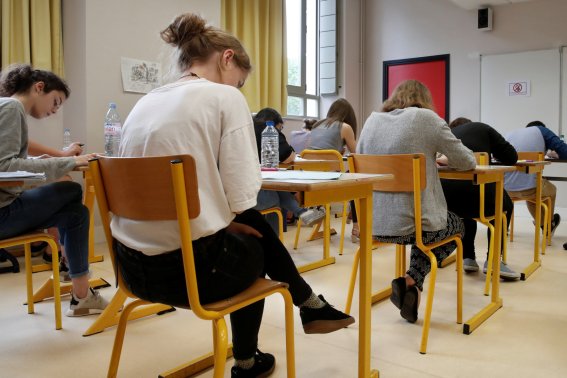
[
  {"x": 226, "y": 264},
  {"x": 420, "y": 265}
]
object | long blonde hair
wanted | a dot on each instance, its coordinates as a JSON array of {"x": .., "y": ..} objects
[{"x": 407, "y": 94}]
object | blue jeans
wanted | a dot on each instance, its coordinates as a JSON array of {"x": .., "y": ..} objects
[
  {"x": 58, "y": 205},
  {"x": 284, "y": 200}
]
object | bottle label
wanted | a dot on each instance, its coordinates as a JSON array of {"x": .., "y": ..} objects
[{"x": 112, "y": 128}]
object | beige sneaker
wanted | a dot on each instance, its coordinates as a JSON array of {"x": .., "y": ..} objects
[{"x": 93, "y": 303}]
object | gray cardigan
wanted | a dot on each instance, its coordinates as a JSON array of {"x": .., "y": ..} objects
[
  {"x": 14, "y": 150},
  {"x": 404, "y": 131}
]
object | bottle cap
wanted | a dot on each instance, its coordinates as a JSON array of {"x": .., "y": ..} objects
[
  {"x": 112, "y": 105},
  {"x": 269, "y": 123}
]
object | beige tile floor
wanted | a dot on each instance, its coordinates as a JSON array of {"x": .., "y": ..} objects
[{"x": 526, "y": 338}]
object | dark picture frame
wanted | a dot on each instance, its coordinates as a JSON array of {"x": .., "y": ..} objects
[{"x": 433, "y": 71}]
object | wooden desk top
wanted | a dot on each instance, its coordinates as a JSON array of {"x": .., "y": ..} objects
[
  {"x": 11, "y": 183},
  {"x": 346, "y": 180},
  {"x": 480, "y": 169}
]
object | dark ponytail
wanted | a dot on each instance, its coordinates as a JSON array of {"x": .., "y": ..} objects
[{"x": 19, "y": 78}]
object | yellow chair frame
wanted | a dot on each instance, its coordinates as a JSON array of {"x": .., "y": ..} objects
[
  {"x": 482, "y": 158},
  {"x": 171, "y": 192},
  {"x": 409, "y": 176},
  {"x": 326, "y": 160},
  {"x": 545, "y": 204},
  {"x": 26, "y": 240},
  {"x": 278, "y": 212}
]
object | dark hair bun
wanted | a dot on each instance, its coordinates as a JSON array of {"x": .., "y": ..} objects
[
  {"x": 184, "y": 28},
  {"x": 16, "y": 79}
]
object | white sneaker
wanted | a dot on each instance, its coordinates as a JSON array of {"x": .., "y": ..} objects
[
  {"x": 93, "y": 303},
  {"x": 505, "y": 272},
  {"x": 470, "y": 265},
  {"x": 311, "y": 216}
]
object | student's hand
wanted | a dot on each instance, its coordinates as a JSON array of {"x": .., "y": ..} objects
[
  {"x": 552, "y": 154},
  {"x": 239, "y": 228},
  {"x": 74, "y": 149},
  {"x": 83, "y": 160},
  {"x": 442, "y": 161}
]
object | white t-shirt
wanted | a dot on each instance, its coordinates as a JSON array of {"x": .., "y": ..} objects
[{"x": 212, "y": 123}]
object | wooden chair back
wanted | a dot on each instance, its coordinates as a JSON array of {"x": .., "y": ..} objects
[
  {"x": 531, "y": 155},
  {"x": 150, "y": 189}
]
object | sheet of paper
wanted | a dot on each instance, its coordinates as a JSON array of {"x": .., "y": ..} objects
[
  {"x": 300, "y": 175},
  {"x": 6, "y": 176}
]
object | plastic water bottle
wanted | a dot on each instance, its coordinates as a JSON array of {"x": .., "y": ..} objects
[
  {"x": 270, "y": 147},
  {"x": 112, "y": 131},
  {"x": 66, "y": 138}
]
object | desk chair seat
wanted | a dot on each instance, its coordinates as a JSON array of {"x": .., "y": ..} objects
[
  {"x": 326, "y": 160},
  {"x": 26, "y": 240},
  {"x": 409, "y": 176},
  {"x": 172, "y": 193}
]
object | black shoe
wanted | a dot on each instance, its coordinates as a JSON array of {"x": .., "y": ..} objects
[
  {"x": 554, "y": 223},
  {"x": 264, "y": 365},
  {"x": 398, "y": 292},
  {"x": 564, "y": 245},
  {"x": 38, "y": 249},
  {"x": 47, "y": 257},
  {"x": 410, "y": 303},
  {"x": 323, "y": 320}
]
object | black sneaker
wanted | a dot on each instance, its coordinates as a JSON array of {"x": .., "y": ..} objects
[
  {"x": 264, "y": 365},
  {"x": 554, "y": 223},
  {"x": 323, "y": 320}
]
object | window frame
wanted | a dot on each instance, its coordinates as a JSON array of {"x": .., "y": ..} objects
[{"x": 301, "y": 90}]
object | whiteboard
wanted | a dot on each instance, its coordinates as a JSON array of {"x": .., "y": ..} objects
[{"x": 506, "y": 110}]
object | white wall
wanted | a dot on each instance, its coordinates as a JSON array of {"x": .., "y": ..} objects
[
  {"x": 411, "y": 28},
  {"x": 96, "y": 35}
]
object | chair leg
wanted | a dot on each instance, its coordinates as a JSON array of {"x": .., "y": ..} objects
[
  {"x": 459, "y": 280},
  {"x": 56, "y": 283},
  {"x": 429, "y": 305},
  {"x": 489, "y": 266},
  {"x": 119, "y": 337},
  {"x": 220, "y": 344},
  {"x": 29, "y": 282},
  {"x": 289, "y": 335},
  {"x": 297, "y": 231},
  {"x": 343, "y": 226},
  {"x": 504, "y": 238},
  {"x": 512, "y": 226},
  {"x": 352, "y": 282}
]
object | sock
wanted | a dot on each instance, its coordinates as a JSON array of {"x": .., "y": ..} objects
[
  {"x": 313, "y": 302},
  {"x": 244, "y": 364}
]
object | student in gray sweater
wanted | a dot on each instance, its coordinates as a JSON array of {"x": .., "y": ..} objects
[
  {"x": 25, "y": 91},
  {"x": 407, "y": 124}
]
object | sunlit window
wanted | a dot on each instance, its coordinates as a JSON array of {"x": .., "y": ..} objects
[{"x": 302, "y": 57}]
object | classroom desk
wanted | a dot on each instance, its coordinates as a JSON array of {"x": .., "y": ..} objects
[
  {"x": 317, "y": 165},
  {"x": 485, "y": 174},
  {"x": 534, "y": 167},
  {"x": 349, "y": 186}
]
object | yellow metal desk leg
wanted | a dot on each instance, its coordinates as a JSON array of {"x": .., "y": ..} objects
[
  {"x": 111, "y": 314},
  {"x": 365, "y": 219},
  {"x": 495, "y": 300},
  {"x": 536, "y": 263}
]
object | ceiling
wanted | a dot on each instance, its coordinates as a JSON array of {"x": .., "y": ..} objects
[{"x": 475, "y": 4}]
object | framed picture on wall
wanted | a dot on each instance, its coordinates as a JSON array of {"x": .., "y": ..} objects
[{"x": 433, "y": 71}]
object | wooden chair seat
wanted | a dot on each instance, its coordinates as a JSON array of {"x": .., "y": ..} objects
[{"x": 260, "y": 287}]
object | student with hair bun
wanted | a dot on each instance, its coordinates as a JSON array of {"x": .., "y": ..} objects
[
  {"x": 26, "y": 91},
  {"x": 203, "y": 114}
]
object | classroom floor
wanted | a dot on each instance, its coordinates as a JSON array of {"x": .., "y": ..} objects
[{"x": 525, "y": 338}]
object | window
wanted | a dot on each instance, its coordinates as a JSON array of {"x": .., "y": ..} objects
[{"x": 302, "y": 28}]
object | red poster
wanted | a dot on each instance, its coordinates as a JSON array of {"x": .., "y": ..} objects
[{"x": 433, "y": 71}]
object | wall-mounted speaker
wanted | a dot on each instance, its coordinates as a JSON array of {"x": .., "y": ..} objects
[{"x": 484, "y": 19}]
